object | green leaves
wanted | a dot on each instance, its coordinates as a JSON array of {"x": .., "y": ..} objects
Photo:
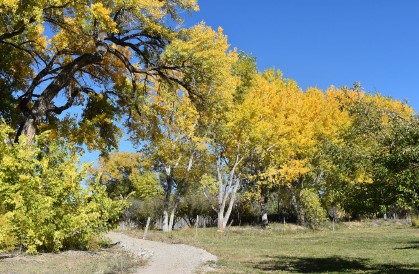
[{"x": 43, "y": 205}]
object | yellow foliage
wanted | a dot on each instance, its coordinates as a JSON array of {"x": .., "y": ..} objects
[
  {"x": 209, "y": 184},
  {"x": 293, "y": 169},
  {"x": 103, "y": 15}
]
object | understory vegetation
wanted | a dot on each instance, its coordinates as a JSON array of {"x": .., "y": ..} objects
[{"x": 112, "y": 260}]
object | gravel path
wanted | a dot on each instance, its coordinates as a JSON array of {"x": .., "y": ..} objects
[{"x": 165, "y": 258}]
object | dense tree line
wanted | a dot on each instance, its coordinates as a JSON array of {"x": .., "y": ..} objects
[{"x": 215, "y": 136}]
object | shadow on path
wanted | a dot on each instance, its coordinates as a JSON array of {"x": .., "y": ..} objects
[{"x": 331, "y": 264}]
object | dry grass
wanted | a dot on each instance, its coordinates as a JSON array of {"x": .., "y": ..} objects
[{"x": 111, "y": 260}]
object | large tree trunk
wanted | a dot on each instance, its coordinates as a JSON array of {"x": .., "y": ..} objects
[
  {"x": 220, "y": 221},
  {"x": 44, "y": 103},
  {"x": 165, "y": 227},
  {"x": 29, "y": 130}
]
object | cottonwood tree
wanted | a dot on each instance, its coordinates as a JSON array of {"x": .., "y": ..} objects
[
  {"x": 356, "y": 166},
  {"x": 169, "y": 123},
  {"x": 102, "y": 56},
  {"x": 229, "y": 143},
  {"x": 167, "y": 130},
  {"x": 287, "y": 125}
]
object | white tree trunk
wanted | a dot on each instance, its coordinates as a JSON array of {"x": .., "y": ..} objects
[
  {"x": 172, "y": 214},
  {"x": 165, "y": 227},
  {"x": 168, "y": 192},
  {"x": 226, "y": 192},
  {"x": 232, "y": 201}
]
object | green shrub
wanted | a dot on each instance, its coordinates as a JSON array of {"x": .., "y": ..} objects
[
  {"x": 43, "y": 205},
  {"x": 415, "y": 221},
  {"x": 313, "y": 211}
]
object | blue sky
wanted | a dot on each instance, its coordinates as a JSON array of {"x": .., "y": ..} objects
[{"x": 327, "y": 42}]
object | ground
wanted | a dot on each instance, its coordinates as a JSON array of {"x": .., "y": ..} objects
[
  {"x": 165, "y": 258},
  {"x": 110, "y": 260},
  {"x": 356, "y": 247}
]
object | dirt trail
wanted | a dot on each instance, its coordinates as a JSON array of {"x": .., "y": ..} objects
[{"x": 165, "y": 258}]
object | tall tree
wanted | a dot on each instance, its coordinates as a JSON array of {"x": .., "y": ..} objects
[
  {"x": 287, "y": 127},
  {"x": 104, "y": 56},
  {"x": 167, "y": 132},
  {"x": 354, "y": 166}
]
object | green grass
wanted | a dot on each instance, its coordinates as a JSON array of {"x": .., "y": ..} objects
[{"x": 385, "y": 247}]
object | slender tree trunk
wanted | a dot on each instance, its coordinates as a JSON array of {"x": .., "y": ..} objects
[
  {"x": 296, "y": 207},
  {"x": 221, "y": 198},
  {"x": 173, "y": 212},
  {"x": 263, "y": 209},
  {"x": 166, "y": 203},
  {"x": 226, "y": 193},
  {"x": 232, "y": 201}
]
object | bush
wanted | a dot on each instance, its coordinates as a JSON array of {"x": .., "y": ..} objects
[
  {"x": 313, "y": 211},
  {"x": 43, "y": 205},
  {"x": 415, "y": 221}
]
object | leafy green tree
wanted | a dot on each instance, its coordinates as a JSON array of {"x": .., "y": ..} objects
[
  {"x": 397, "y": 172},
  {"x": 43, "y": 206},
  {"x": 354, "y": 175}
]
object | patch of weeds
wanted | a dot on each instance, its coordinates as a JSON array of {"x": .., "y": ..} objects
[
  {"x": 415, "y": 221},
  {"x": 110, "y": 260}
]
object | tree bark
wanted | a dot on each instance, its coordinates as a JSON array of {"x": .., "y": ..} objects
[
  {"x": 29, "y": 130},
  {"x": 226, "y": 193},
  {"x": 172, "y": 213},
  {"x": 263, "y": 209},
  {"x": 296, "y": 207},
  {"x": 220, "y": 221},
  {"x": 227, "y": 188},
  {"x": 166, "y": 203},
  {"x": 232, "y": 200}
]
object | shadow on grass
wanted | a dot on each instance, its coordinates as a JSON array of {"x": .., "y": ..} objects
[
  {"x": 414, "y": 245},
  {"x": 330, "y": 264}
]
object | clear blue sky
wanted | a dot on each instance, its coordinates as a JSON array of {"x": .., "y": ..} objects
[{"x": 327, "y": 42}]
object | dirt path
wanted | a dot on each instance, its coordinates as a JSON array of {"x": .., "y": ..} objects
[{"x": 165, "y": 258}]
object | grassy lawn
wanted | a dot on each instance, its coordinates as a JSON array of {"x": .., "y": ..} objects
[
  {"x": 111, "y": 260},
  {"x": 387, "y": 247}
]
